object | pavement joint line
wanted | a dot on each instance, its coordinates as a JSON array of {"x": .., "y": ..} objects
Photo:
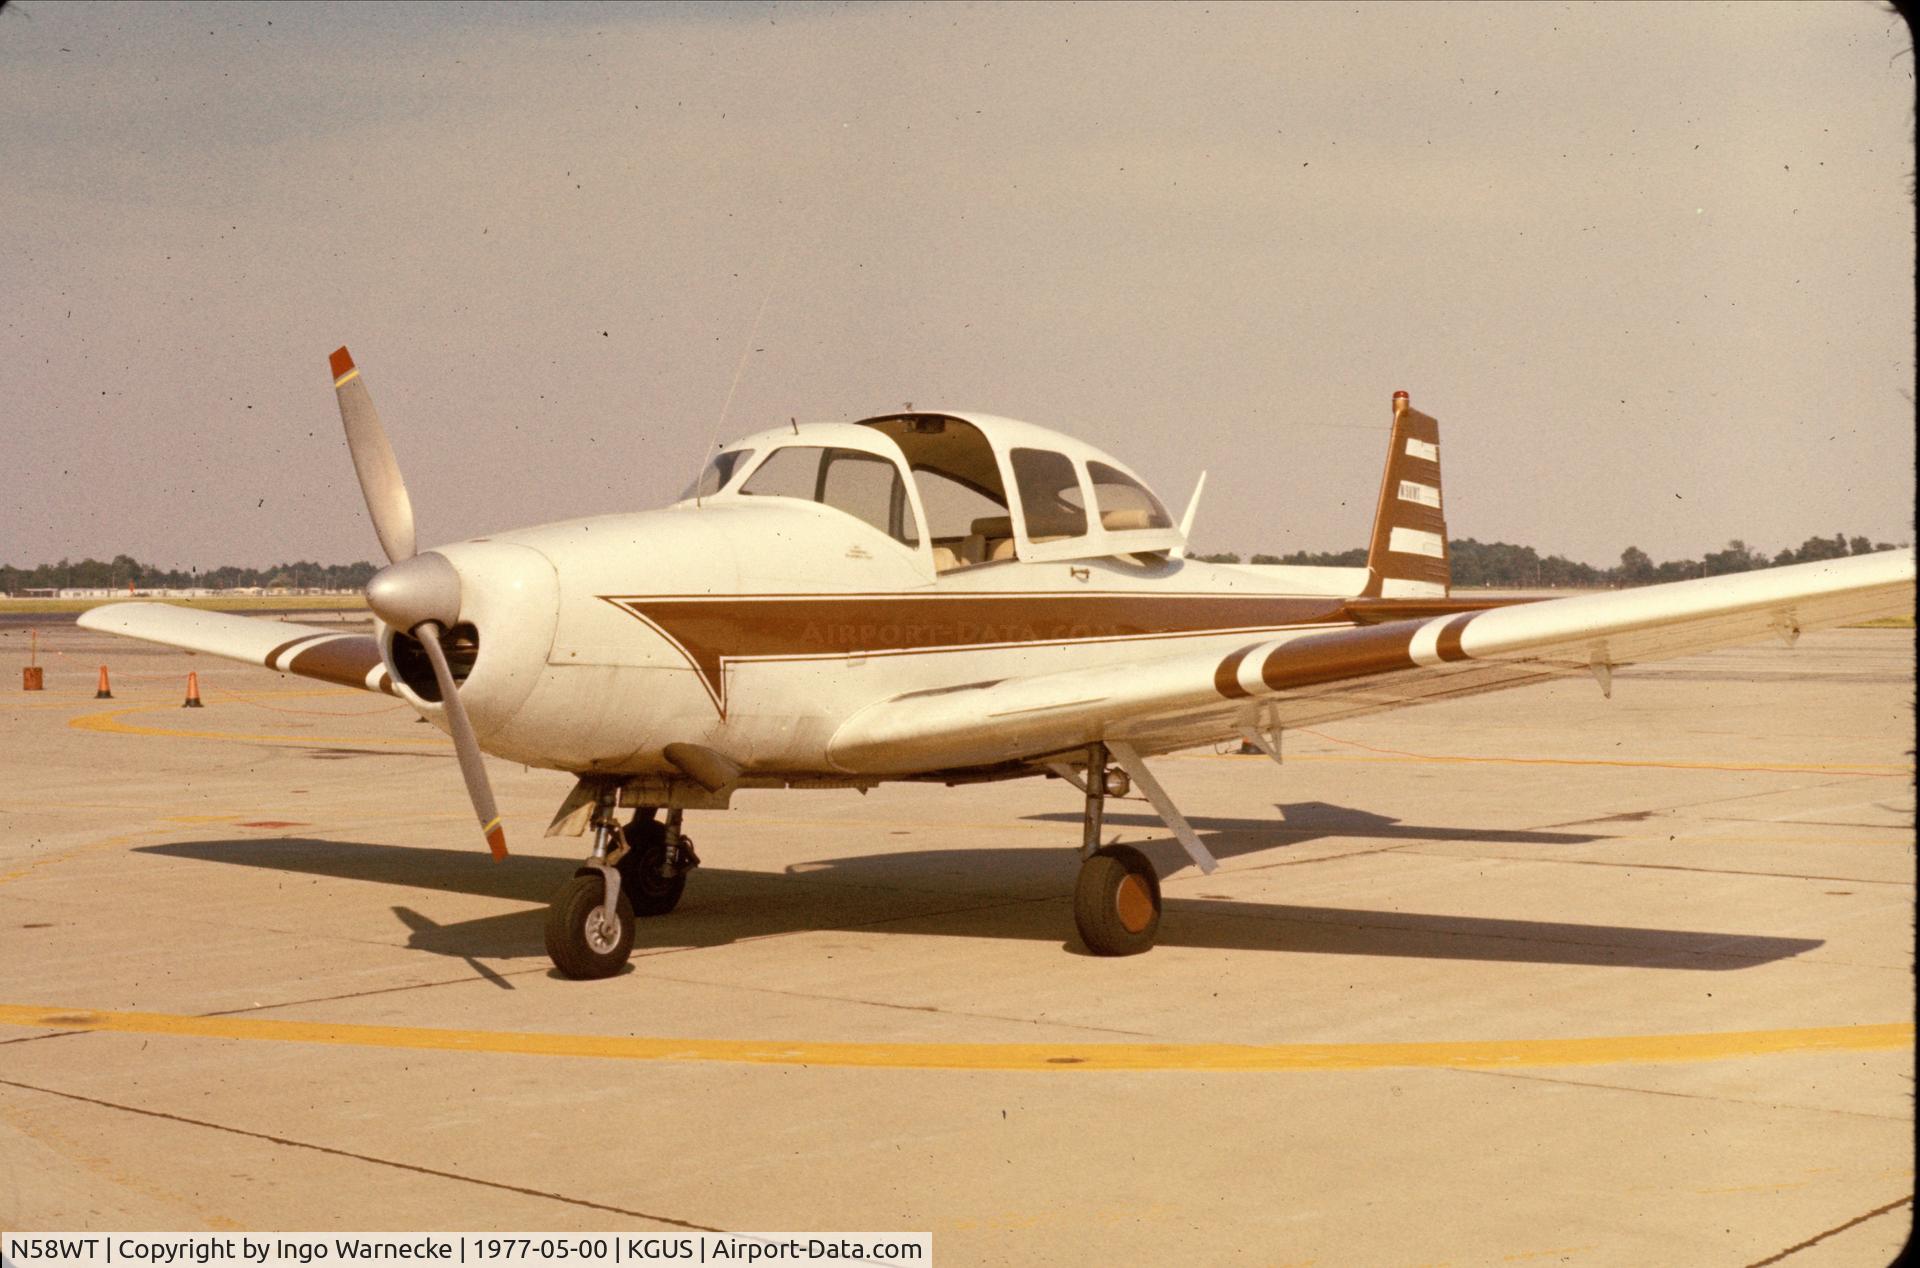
[
  {"x": 1010, "y": 1057},
  {"x": 1663, "y": 867},
  {"x": 31, "y": 866},
  {"x": 289, "y": 1142},
  {"x": 1797, "y": 1247},
  {"x": 1685, "y": 1096},
  {"x": 378, "y": 990},
  {"x": 908, "y": 1008}
]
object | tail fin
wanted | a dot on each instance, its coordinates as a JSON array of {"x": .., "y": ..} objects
[{"x": 1407, "y": 556}]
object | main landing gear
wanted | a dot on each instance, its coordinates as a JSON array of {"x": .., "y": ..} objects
[
  {"x": 639, "y": 870},
  {"x": 1116, "y": 900}
]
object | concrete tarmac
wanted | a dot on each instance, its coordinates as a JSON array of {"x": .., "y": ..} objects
[{"x": 1530, "y": 978}]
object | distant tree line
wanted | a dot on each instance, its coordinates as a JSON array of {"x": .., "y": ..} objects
[
  {"x": 1504, "y": 564},
  {"x": 95, "y": 574},
  {"x": 1474, "y": 564}
]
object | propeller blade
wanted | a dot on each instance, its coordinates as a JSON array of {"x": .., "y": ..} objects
[
  {"x": 472, "y": 769},
  {"x": 373, "y": 460}
]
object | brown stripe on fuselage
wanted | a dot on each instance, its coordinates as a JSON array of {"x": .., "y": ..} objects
[
  {"x": 1447, "y": 646},
  {"x": 346, "y": 659},
  {"x": 712, "y": 631}
]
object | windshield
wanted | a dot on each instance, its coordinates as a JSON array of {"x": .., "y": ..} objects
[
  {"x": 719, "y": 474},
  {"x": 864, "y": 485}
]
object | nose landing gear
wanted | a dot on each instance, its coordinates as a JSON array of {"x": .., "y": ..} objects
[{"x": 639, "y": 870}]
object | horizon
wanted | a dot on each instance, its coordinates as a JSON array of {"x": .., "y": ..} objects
[
  {"x": 1207, "y": 555},
  {"x": 1650, "y": 266}
]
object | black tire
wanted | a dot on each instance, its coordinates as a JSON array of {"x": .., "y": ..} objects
[
  {"x": 640, "y": 881},
  {"x": 579, "y": 951},
  {"x": 1116, "y": 901}
]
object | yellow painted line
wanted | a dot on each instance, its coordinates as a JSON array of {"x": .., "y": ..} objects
[
  {"x": 111, "y": 723},
  {"x": 1465, "y": 1055},
  {"x": 1787, "y": 768},
  {"x": 105, "y": 843}
]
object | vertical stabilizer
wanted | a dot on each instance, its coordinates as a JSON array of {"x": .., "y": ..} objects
[{"x": 1407, "y": 555}]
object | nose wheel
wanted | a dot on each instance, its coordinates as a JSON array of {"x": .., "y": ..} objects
[
  {"x": 639, "y": 870},
  {"x": 584, "y": 939}
]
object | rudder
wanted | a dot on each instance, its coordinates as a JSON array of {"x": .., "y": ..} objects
[{"x": 1407, "y": 556}]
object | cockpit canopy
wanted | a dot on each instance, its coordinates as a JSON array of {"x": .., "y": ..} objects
[{"x": 962, "y": 491}]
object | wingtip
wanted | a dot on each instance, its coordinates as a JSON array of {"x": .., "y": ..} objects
[{"x": 340, "y": 360}]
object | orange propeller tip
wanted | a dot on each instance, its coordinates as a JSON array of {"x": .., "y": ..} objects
[
  {"x": 497, "y": 842},
  {"x": 340, "y": 360}
]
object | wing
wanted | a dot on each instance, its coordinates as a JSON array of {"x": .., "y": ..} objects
[
  {"x": 1196, "y": 698},
  {"x": 349, "y": 660}
]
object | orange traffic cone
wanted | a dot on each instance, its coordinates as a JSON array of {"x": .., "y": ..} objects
[
  {"x": 193, "y": 692},
  {"x": 104, "y": 692}
]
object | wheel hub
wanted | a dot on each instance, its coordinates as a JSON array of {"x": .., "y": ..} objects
[
  {"x": 602, "y": 931},
  {"x": 1133, "y": 902}
]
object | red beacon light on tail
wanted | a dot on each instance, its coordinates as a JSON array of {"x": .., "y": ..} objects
[{"x": 1401, "y": 401}]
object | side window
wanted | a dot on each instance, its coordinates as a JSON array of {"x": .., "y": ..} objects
[
  {"x": 793, "y": 472},
  {"x": 869, "y": 488},
  {"x": 1123, "y": 501},
  {"x": 951, "y": 506},
  {"x": 865, "y": 486},
  {"x": 1049, "y": 493}
]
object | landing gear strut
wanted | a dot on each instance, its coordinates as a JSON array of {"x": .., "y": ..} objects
[
  {"x": 653, "y": 870},
  {"x": 1116, "y": 900}
]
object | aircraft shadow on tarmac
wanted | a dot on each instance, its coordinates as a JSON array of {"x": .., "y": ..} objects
[
  {"x": 1300, "y": 821},
  {"x": 1009, "y": 892}
]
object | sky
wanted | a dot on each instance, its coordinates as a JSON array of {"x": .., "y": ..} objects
[{"x": 1651, "y": 266}]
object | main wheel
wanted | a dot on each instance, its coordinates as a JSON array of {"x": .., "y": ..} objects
[
  {"x": 1116, "y": 901},
  {"x": 651, "y": 893},
  {"x": 580, "y": 938}
]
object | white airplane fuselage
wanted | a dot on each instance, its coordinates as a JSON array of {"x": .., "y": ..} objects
[{"x": 757, "y": 627}]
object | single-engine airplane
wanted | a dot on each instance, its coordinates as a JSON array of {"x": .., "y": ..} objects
[{"x": 939, "y": 597}]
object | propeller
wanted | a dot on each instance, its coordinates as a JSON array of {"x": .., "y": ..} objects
[{"x": 419, "y": 594}]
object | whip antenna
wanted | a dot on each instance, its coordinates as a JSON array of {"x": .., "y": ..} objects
[{"x": 739, "y": 369}]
